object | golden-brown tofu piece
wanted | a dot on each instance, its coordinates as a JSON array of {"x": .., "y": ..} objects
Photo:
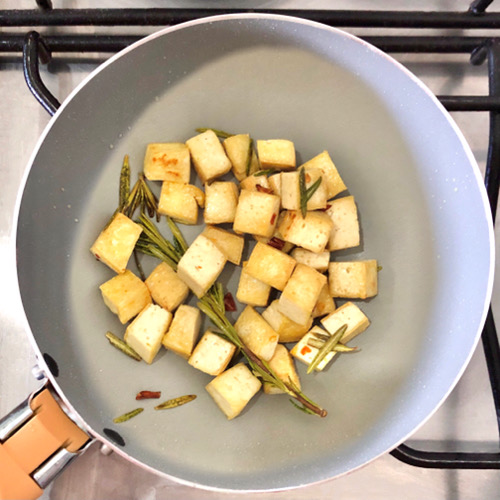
[
  {"x": 230, "y": 244},
  {"x": 256, "y": 213},
  {"x": 276, "y": 153},
  {"x": 212, "y": 354},
  {"x": 166, "y": 288},
  {"x": 181, "y": 201},
  {"x": 288, "y": 330},
  {"x": 282, "y": 364},
  {"x": 252, "y": 291},
  {"x": 353, "y": 280},
  {"x": 221, "y": 200},
  {"x": 183, "y": 333},
  {"x": 168, "y": 161}
]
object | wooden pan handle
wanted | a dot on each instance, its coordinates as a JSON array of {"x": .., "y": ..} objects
[{"x": 39, "y": 430}]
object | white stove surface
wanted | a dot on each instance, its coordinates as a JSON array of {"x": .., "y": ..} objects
[{"x": 465, "y": 422}]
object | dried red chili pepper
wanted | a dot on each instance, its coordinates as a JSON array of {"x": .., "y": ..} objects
[
  {"x": 276, "y": 243},
  {"x": 263, "y": 189},
  {"x": 229, "y": 304},
  {"x": 273, "y": 218},
  {"x": 326, "y": 208},
  {"x": 148, "y": 395}
]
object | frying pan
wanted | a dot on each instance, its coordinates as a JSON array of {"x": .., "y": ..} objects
[{"x": 424, "y": 216}]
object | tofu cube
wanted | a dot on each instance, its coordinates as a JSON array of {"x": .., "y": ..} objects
[
  {"x": 345, "y": 230},
  {"x": 233, "y": 389},
  {"x": 239, "y": 149},
  {"x": 301, "y": 293},
  {"x": 276, "y": 153},
  {"x": 230, "y": 244},
  {"x": 257, "y": 213},
  {"x": 325, "y": 304},
  {"x": 212, "y": 354},
  {"x": 181, "y": 201},
  {"x": 318, "y": 261},
  {"x": 115, "y": 244},
  {"x": 282, "y": 364},
  {"x": 306, "y": 353},
  {"x": 146, "y": 332},
  {"x": 201, "y": 265},
  {"x": 334, "y": 182},
  {"x": 290, "y": 189},
  {"x": 288, "y": 330},
  {"x": 270, "y": 265},
  {"x": 274, "y": 181},
  {"x": 125, "y": 295},
  {"x": 183, "y": 333},
  {"x": 311, "y": 232},
  {"x": 166, "y": 287},
  {"x": 252, "y": 291},
  {"x": 353, "y": 280},
  {"x": 221, "y": 199},
  {"x": 347, "y": 314},
  {"x": 208, "y": 155},
  {"x": 256, "y": 333},
  {"x": 167, "y": 162},
  {"x": 252, "y": 181}
]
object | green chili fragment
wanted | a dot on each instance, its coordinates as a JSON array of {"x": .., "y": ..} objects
[{"x": 128, "y": 416}]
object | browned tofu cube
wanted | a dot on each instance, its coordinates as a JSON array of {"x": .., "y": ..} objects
[
  {"x": 115, "y": 244},
  {"x": 276, "y": 153},
  {"x": 212, "y": 354},
  {"x": 283, "y": 366},
  {"x": 353, "y": 280},
  {"x": 256, "y": 333},
  {"x": 270, "y": 265},
  {"x": 208, "y": 155},
  {"x": 230, "y": 244},
  {"x": 240, "y": 151},
  {"x": 257, "y": 213},
  {"x": 183, "y": 333},
  {"x": 325, "y": 304},
  {"x": 167, "y": 162},
  {"x": 166, "y": 288},
  {"x": 288, "y": 330},
  {"x": 125, "y": 295},
  {"x": 181, "y": 201},
  {"x": 331, "y": 175},
  {"x": 252, "y": 291},
  {"x": 233, "y": 389}
]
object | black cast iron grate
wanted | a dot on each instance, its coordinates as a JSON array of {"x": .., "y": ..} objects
[{"x": 37, "y": 49}]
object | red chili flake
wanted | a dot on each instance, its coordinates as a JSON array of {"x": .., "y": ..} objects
[
  {"x": 308, "y": 178},
  {"x": 263, "y": 189},
  {"x": 198, "y": 267},
  {"x": 305, "y": 350},
  {"x": 229, "y": 304},
  {"x": 326, "y": 208},
  {"x": 148, "y": 395},
  {"x": 97, "y": 257},
  {"x": 273, "y": 218},
  {"x": 276, "y": 243}
]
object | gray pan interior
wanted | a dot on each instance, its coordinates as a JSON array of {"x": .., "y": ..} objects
[{"x": 423, "y": 216}]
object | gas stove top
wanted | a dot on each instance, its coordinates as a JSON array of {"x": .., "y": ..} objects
[{"x": 81, "y": 40}]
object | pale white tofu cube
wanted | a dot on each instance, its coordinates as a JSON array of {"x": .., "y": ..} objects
[
  {"x": 181, "y": 201},
  {"x": 256, "y": 333},
  {"x": 208, "y": 155},
  {"x": 345, "y": 229},
  {"x": 212, "y": 354},
  {"x": 256, "y": 213},
  {"x": 201, "y": 265},
  {"x": 318, "y": 261},
  {"x": 288, "y": 330},
  {"x": 233, "y": 389},
  {"x": 306, "y": 353},
  {"x": 301, "y": 293},
  {"x": 334, "y": 182},
  {"x": 230, "y": 244},
  {"x": 183, "y": 333},
  {"x": 146, "y": 332},
  {"x": 276, "y": 153},
  {"x": 275, "y": 183},
  {"x": 240, "y": 151},
  {"x": 270, "y": 265},
  {"x": 167, "y": 162},
  {"x": 325, "y": 304},
  {"x": 221, "y": 200},
  {"x": 283, "y": 366},
  {"x": 252, "y": 291},
  {"x": 311, "y": 232},
  {"x": 166, "y": 287},
  {"x": 126, "y": 295},
  {"x": 353, "y": 280},
  {"x": 115, "y": 244},
  {"x": 347, "y": 314}
]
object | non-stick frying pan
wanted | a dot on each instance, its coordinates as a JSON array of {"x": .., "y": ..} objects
[{"x": 424, "y": 216}]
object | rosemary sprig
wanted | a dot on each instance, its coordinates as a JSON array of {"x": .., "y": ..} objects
[
  {"x": 249, "y": 158},
  {"x": 268, "y": 171},
  {"x": 124, "y": 183},
  {"x": 175, "y": 402},
  {"x": 128, "y": 416},
  {"x": 122, "y": 346},
  {"x": 313, "y": 188},
  {"x": 327, "y": 347},
  {"x": 306, "y": 193},
  {"x": 318, "y": 344},
  {"x": 219, "y": 133}
]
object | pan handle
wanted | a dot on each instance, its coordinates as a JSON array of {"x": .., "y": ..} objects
[{"x": 37, "y": 439}]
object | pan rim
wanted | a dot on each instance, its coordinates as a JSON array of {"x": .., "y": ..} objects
[{"x": 293, "y": 20}]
